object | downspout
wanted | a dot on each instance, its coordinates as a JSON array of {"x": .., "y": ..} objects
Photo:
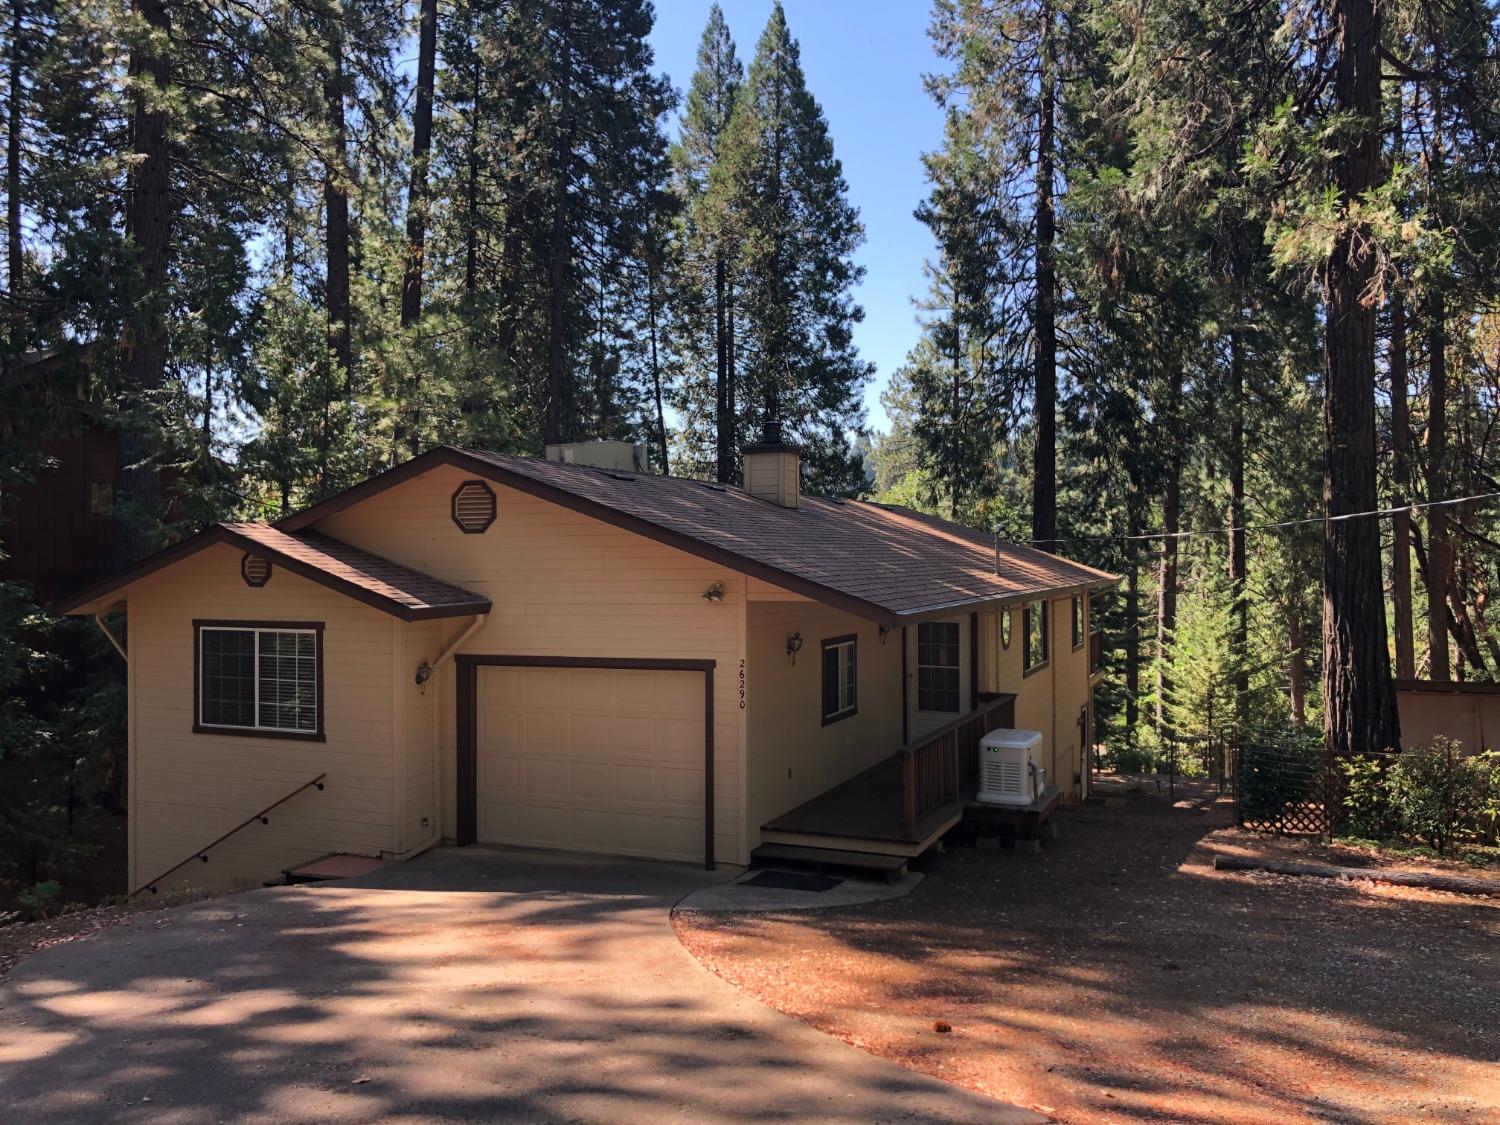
[{"x": 110, "y": 636}]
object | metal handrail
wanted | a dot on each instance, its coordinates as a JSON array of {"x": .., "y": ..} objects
[{"x": 202, "y": 853}]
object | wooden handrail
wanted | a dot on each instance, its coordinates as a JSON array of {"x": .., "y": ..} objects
[
  {"x": 934, "y": 769},
  {"x": 202, "y": 853}
]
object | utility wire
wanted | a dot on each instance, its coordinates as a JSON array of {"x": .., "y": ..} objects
[{"x": 1159, "y": 535}]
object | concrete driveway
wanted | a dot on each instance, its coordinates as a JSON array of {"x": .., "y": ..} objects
[{"x": 477, "y": 985}]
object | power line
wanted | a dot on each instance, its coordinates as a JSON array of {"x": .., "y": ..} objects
[{"x": 1159, "y": 535}]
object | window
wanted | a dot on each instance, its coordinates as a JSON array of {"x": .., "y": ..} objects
[
  {"x": 840, "y": 673},
  {"x": 937, "y": 666},
  {"x": 1077, "y": 608},
  {"x": 1035, "y": 619},
  {"x": 257, "y": 678},
  {"x": 1005, "y": 616}
]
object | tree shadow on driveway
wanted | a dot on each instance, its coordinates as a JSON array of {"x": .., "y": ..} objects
[{"x": 468, "y": 985}]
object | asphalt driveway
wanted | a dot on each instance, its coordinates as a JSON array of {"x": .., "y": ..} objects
[{"x": 465, "y": 985}]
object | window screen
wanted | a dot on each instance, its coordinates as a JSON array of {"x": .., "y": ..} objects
[
  {"x": 937, "y": 666},
  {"x": 840, "y": 695},
  {"x": 260, "y": 679}
]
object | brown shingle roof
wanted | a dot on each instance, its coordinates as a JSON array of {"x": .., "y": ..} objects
[
  {"x": 881, "y": 562},
  {"x": 379, "y": 582},
  {"x": 902, "y": 561}
]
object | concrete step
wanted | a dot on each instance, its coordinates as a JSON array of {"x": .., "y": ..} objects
[{"x": 892, "y": 867}]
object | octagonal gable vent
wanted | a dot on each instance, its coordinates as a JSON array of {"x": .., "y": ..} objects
[
  {"x": 473, "y": 507},
  {"x": 255, "y": 569}
]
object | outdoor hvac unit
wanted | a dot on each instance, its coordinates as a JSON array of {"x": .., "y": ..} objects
[{"x": 1008, "y": 773}]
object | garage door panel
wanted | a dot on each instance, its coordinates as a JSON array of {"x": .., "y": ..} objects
[{"x": 606, "y": 760}]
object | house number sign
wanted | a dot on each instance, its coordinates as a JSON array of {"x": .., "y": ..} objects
[{"x": 742, "y": 685}]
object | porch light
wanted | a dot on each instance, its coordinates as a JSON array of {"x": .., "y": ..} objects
[
  {"x": 794, "y": 646},
  {"x": 424, "y": 673}
]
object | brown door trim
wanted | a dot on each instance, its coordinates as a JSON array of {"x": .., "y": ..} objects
[{"x": 468, "y": 666}]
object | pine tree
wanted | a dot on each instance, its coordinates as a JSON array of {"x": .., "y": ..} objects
[
  {"x": 702, "y": 309},
  {"x": 780, "y": 192}
]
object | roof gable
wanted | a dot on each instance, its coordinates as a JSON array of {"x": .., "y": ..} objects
[{"x": 378, "y": 582}]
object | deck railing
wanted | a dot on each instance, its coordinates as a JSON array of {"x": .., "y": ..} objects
[{"x": 938, "y": 768}]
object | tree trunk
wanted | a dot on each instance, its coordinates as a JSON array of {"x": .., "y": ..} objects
[
  {"x": 421, "y": 146},
  {"x": 1297, "y": 670},
  {"x": 723, "y": 422},
  {"x": 731, "y": 394},
  {"x": 1439, "y": 560},
  {"x": 148, "y": 228},
  {"x": 559, "y": 245},
  {"x": 1133, "y": 633},
  {"x": 1238, "y": 559},
  {"x": 1166, "y": 606},
  {"x": 1359, "y": 699},
  {"x": 661, "y": 413},
  {"x": 336, "y": 214},
  {"x": 16, "y": 259},
  {"x": 1044, "y": 462},
  {"x": 1406, "y": 661}
]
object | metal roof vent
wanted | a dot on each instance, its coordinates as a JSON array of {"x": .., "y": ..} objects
[
  {"x": 255, "y": 569},
  {"x": 473, "y": 507}
]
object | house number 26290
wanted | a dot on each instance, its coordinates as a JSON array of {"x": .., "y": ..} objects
[{"x": 742, "y": 685}]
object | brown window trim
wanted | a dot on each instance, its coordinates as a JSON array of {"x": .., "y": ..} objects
[
  {"x": 467, "y": 666},
  {"x": 199, "y": 624},
  {"x": 850, "y": 712},
  {"x": 1083, "y": 621}
]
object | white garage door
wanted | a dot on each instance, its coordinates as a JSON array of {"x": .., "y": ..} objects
[{"x": 591, "y": 759}]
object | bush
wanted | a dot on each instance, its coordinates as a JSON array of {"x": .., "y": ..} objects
[
  {"x": 37, "y": 900},
  {"x": 1367, "y": 801},
  {"x": 1438, "y": 794}
]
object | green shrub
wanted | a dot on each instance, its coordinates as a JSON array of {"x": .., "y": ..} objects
[
  {"x": 37, "y": 900},
  {"x": 1367, "y": 801},
  {"x": 1438, "y": 794}
]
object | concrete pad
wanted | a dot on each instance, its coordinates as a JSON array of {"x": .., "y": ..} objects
[
  {"x": 467, "y": 984},
  {"x": 742, "y": 896}
]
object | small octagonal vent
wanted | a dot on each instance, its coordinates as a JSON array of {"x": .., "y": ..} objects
[
  {"x": 473, "y": 507},
  {"x": 255, "y": 569}
]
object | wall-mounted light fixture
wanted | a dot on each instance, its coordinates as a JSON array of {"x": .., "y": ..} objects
[
  {"x": 794, "y": 645},
  {"x": 714, "y": 593},
  {"x": 884, "y": 629},
  {"x": 424, "y": 673}
]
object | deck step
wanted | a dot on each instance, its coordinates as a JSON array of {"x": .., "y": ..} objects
[{"x": 893, "y": 867}]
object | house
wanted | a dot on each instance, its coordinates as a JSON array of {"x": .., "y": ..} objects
[{"x": 569, "y": 654}]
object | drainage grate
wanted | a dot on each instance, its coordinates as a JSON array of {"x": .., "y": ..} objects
[{"x": 793, "y": 881}]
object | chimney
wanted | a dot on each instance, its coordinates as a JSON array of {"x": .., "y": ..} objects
[{"x": 773, "y": 468}]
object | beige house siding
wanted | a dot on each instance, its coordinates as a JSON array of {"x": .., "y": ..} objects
[
  {"x": 188, "y": 788},
  {"x": 794, "y": 757},
  {"x": 565, "y": 584},
  {"x": 1050, "y": 698},
  {"x": 417, "y": 756}
]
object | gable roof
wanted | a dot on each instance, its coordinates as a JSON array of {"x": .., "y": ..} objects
[
  {"x": 387, "y": 586},
  {"x": 881, "y": 562}
]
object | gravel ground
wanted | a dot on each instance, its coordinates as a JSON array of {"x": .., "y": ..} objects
[
  {"x": 22, "y": 939},
  {"x": 1118, "y": 977}
]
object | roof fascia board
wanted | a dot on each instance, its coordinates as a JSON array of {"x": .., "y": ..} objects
[{"x": 218, "y": 534}]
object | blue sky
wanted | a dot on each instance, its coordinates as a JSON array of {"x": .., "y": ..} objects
[{"x": 864, "y": 63}]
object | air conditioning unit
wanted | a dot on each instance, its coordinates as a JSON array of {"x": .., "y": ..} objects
[{"x": 1008, "y": 770}]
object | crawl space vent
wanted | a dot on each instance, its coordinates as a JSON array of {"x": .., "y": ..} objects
[
  {"x": 255, "y": 569},
  {"x": 473, "y": 507}
]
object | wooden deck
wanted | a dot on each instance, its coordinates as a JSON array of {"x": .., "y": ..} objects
[{"x": 863, "y": 814}]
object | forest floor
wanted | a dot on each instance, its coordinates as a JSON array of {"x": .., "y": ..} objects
[{"x": 1117, "y": 977}]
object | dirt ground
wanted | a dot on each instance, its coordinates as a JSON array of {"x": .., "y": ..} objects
[{"x": 1117, "y": 977}]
